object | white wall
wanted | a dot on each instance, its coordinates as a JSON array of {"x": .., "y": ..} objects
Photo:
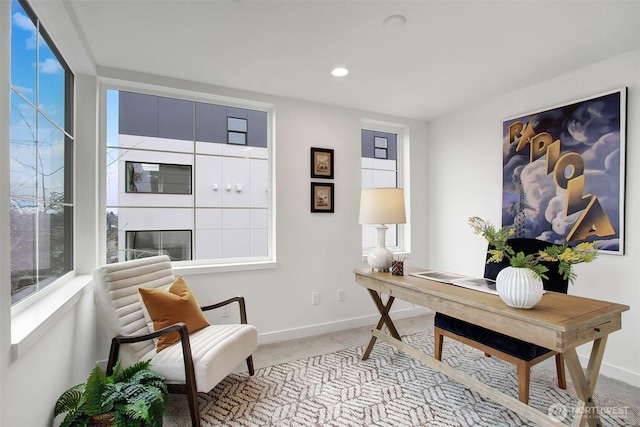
[
  {"x": 61, "y": 358},
  {"x": 465, "y": 174}
]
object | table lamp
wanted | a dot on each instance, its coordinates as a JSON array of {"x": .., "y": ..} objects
[{"x": 381, "y": 206}]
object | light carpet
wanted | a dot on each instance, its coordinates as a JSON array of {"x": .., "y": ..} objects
[{"x": 392, "y": 389}]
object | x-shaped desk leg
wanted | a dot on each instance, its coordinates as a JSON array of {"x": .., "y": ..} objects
[
  {"x": 586, "y": 412},
  {"x": 384, "y": 320}
]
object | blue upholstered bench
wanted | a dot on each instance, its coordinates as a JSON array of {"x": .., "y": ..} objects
[{"x": 521, "y": 353}]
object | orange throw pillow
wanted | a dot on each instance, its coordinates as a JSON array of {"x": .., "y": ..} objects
[{"x": 166, "y": 308}]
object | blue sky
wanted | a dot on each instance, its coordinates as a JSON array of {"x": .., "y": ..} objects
[
  {"x": 27, "y": 62},
  {"x": 37, "y": 79}
]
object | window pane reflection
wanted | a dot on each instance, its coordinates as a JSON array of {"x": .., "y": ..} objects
[
  {"x": 237, "y": 138},
  {"x": 23, "y": 249},
  {"x": 112, "y": 176},
  {"x": 22, "y": 151},
  {"x": 23, "y": 52},
  {"x": 39, "y": 248},
  {"x": 239, "y": 125},
  {"x": 51, "y": 84},
  {"x": 53, "y": 246},
  {"x": 174, "y": 243},
  {"x": 40, "y": 251},
  {"x": 50, "y": 161},
  {"x": 158, "y": 178}
]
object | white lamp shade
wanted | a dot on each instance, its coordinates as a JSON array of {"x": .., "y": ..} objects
[{"x": 382, "y": 206}]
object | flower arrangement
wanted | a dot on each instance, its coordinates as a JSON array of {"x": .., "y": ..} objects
[{"x": 564, "y": 254}]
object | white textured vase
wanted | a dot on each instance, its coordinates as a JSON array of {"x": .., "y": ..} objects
[{"x": 518, "y": 287}]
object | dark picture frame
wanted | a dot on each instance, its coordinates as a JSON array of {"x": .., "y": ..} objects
[
  {"x": 564, "y": 172},
  {"x": 322, "y": 197},
  {"x": 322, "y": 163}
]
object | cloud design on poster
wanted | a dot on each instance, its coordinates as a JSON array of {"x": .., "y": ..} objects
[
  {"x": 602, "y": 174},
  {"x": 588, "y": 122},
  {"x": 546, "y": 202},
  {"x": 539, "y": 189}
]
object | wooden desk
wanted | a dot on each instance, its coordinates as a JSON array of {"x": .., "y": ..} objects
[{"x": 559, "y": 322}]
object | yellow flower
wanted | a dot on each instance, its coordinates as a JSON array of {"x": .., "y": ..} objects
[
  {"x": 496, "y": 255},
  {"x": 585, "y": 247},
  {"x": 566, "y": 256},
  {"x": 545, "y": 256}
]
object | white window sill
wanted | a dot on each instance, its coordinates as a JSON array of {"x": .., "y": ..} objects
[
  {"x": 206, "y": 267},
  {"x": 33, "y": 320}
]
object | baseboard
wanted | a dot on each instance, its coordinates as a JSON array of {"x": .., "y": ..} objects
[
  {"x": 615, "y": 372},
  {"x": 339, "y": 325}
]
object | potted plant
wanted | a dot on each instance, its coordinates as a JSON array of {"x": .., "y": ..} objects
[
  {"x": 134, "y": 396},
  {"x": 522, "y": 280}
]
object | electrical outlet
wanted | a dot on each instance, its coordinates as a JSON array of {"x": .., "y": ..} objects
[
  {"x": 315, "y": 298},
  {"x": 340, "y": 295},
  {"x": 225, "y": 312}
]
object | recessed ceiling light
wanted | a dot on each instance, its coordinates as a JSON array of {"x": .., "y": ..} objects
[
  {"x": 339, "y": 72},
  {"x": 395, "y": 21}
]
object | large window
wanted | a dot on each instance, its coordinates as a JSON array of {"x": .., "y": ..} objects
[
  {"x": 380, "y": 168},
  {"x": 41, "y": 154},
  {"x": 185, "y": 178}
]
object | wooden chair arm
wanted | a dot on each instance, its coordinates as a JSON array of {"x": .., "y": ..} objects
[
  {"x": 240, "y": 300},
  {"x": 128, "y": 339},
  {"x": 179, "y": 327}
]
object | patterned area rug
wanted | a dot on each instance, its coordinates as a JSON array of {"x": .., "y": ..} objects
[{"x": 391, "y": 389}]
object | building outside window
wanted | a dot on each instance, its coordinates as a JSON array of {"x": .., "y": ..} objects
[
  {"x": 187, "y": 179},
  {"x": 380, "y": 168},
  {"x": 41, "y": 157}
]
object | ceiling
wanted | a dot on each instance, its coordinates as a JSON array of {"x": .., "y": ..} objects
[{"x": 448, "y": 55}]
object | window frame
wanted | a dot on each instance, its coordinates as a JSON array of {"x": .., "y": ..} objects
[
  {"x": 402, "y": 133},
  {"x": 67, "y": 131},
  {"x": 198, "y": 266}
]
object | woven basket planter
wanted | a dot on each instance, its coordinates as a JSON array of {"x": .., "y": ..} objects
[{"x": 102, "y": 420}]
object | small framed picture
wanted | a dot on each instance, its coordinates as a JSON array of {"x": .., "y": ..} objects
[
  {"x": 321, "y": 163},
  {"x": 321, "y": 197}
]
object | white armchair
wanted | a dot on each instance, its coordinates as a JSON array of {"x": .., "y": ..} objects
[{"x": 198, "y": 361}]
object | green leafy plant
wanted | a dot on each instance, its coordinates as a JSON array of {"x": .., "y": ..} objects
[
  {"x": 135, "y": 396},
  {"x": 564, "y": 255}
]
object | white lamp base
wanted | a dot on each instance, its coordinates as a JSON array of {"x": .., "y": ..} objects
[{"x": 380, "y": 258}]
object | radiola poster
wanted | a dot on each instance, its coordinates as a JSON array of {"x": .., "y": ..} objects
[{"x": 563, "y": 172}]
